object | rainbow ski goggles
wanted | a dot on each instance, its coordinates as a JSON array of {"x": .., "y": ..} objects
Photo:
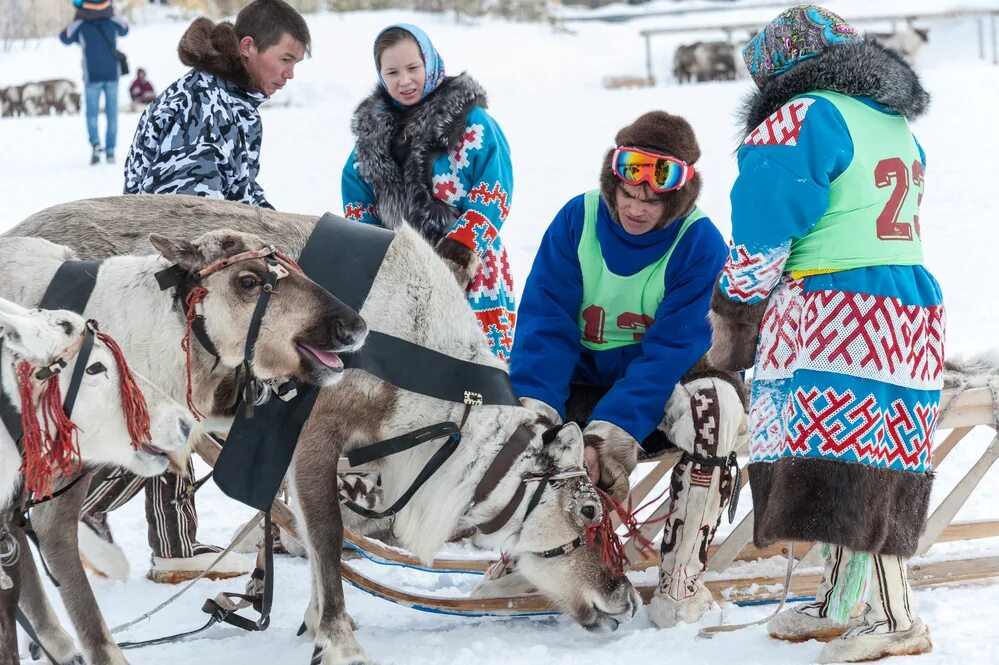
[{"x": 662, "y": 173}]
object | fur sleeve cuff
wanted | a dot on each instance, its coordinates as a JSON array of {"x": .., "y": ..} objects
[{"x": 735, "y": 331}]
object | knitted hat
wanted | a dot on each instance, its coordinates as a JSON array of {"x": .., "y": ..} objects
[
  {"x": 666, "y": 134},
  {"x": 92, "y": 10},
  {"x": 797, "y": 33}
]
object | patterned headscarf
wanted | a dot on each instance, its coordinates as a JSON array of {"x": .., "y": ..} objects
[
  {"x": 797, "y": 33},
  {"x": 432, "y": 61}
]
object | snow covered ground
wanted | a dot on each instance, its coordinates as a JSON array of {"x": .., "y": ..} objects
[{"x": 545, "y": 90}]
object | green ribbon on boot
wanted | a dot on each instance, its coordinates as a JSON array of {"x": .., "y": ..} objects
[{"x": 851, "y": 587}]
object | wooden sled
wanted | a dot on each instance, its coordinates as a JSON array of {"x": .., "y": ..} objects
[{"x": 970, "y": 409}]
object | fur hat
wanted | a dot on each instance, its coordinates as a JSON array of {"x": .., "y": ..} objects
[
  {"x": 92, "y": 10},
  {"x": 661, "y": 132},
  {"x": 796, "y": 34}
]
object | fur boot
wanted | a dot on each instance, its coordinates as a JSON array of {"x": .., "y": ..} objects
[
  {"x": 811, "y": 621},
  {"x": 889, "y": 627},
  {"x": 704, "y": 418}
]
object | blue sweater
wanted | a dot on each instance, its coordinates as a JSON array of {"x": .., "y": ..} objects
[
  {"x": 547, "y": 353},
  {"x": 99, "y": 63}
]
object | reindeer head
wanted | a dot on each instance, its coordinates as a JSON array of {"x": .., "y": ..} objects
[
  {"x": 303, "y": 329},
  {"x": 103, "y": 413},
  {"x": 552, "y": 548}
]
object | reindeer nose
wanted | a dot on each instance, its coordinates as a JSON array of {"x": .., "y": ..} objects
[{"x": 589, "y": 512}]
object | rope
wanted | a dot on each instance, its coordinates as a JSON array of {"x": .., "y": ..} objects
[
  {"x": 193, "y": 299},
  {"x": 710, "y": 631},
  {"x": 244, "y": 532}
]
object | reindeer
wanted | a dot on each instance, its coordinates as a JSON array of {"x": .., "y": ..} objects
[
  {"x": 301, "y": 333},
  {"x": 31, "y": 342},
  {"x": 414, "y": 297}
]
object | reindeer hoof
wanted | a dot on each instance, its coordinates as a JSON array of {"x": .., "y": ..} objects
[
  {"x": 77, "y": 660},
  {"x": 317, "y": 656}
]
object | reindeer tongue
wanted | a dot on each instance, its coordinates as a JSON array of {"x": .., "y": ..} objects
[{"x": 328, "y": 358}]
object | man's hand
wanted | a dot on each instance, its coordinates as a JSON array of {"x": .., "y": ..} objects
[{"x": 611, "y": 454}]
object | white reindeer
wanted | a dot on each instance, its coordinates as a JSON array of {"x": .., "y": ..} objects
[{"x": 113, "y": 426}]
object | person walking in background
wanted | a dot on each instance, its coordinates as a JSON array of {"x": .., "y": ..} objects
[
  {"x": 429, "y": 155},
  {"x": 200, "y": 137},
  {"x": 141, "y": 90},
  {"x": 96, "y": 29}
]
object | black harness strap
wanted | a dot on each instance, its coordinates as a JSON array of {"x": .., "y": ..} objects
[
  {"x": 35, "y": 642},
  {"x": 729, "y": 464},
  {"x": 435, "y": 462},
  {"x": 82, "y": 360},
  {"x": 71, "y": 286},
  {"x": 400, "y": 443},
  {"x": 421, "y": 370},
  {"x": 253, "y": 333},
  {"x": 344, "y": 258}
]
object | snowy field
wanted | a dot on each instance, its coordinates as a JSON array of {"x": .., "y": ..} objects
[{"x": 545, "y": 90}]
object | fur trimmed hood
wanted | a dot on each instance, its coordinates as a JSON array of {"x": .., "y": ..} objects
[
  {"x": 859, "y": 69},
  {"x": 396, "y": 148},
  {"x": 214, "y": 48}
]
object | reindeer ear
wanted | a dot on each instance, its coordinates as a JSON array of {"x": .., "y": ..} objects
[
  {"x": 566, "y": 450},
  {"x": 10, "y": 307},
  {"x": 182, "y": 252}
]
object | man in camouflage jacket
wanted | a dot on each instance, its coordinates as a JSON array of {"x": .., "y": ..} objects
[{"x": 202, "y": 135}]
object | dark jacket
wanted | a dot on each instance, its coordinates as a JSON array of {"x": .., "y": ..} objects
[{"x": 98, "y": 39}]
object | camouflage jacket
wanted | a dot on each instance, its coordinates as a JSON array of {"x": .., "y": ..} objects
[{"x": 202, "y": 135}]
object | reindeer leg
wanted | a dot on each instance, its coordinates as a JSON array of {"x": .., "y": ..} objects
[
  {"x": 34, "y": 603},
  {"x": 322, "y": 534},
  {"x": 55, "y": 524}
]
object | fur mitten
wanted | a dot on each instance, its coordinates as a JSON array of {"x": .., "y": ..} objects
[
  {"x": 735, "y": 331},
  {"x": 464, "y": 262},
  {"x": 618, "y": 456}
]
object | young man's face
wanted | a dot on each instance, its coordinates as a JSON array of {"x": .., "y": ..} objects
[
  {"x": 639, "y": 210},
  {"x": 272, "y": 68}
]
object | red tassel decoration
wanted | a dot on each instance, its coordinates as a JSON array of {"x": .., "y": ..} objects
[
  {"x": 604, "y": 537},
  {"x": 45, "y": 456},
  {"x": 133, "y": 402}
]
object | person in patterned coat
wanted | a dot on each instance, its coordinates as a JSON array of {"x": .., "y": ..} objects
[
  {"x": 826, "y": 294},
  {"x": 429, "y": 155},
  {"x": 202, "y": 135}
]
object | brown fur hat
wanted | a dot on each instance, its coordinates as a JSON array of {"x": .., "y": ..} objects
[
  {"x": 667, "y": 134},
  {"x": 214, "y": 48}
]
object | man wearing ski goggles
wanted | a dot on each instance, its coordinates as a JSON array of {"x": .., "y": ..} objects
[
  {"x": 614, "y": 315},
  {"x": 662, "y": 173}
]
